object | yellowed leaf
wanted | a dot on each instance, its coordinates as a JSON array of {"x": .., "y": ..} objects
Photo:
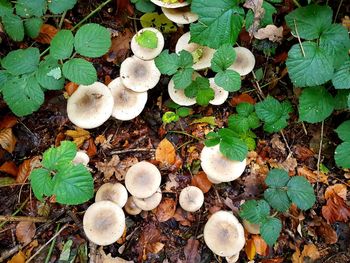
[
  {"x": 7, "y": 139},
  {"x": 18, "y": 258},
  {"x": 201, "y": 181},
  {"x": 250, "y": 249},
  {"x": 311, "y": 252},
  {"x": 25, "y": 231},
  {"x": 26, "y": 168},
  {"x": 338, "y": 189},
  {"x": 78, "y": 135},
  {"x": 296, "y": 257},
  {"x": 260, "y": 245},
  {"x": 312, "y": 176},
  {"x": 165, "y": 153}
]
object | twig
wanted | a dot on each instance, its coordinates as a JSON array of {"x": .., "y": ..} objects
[
  {"x": 304, "y": 128},
  {"x": 319, "y": 154},
  {"x": 260, "y": 92},
  {"x": 62, "y": 19},
  {"x": 286, "y": 142},
  {"x": 48, "y": 256},
  {"x": 187, "y": 134},
  {"x": 10, "y": 185},
  {"x": 133, "y": 150},
  {"x": 299, "y": 40},
  {"x": 16, "y": 212},
  {"x": 23, "y": 218},
  {"x": 296, "y": 3},
  {"x": 336, "y": 14}
]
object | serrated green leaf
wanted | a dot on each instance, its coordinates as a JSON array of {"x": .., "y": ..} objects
[
  {"x": 167, "y": 63},
  {"x": 238, "y": 123},
  {"x": 269, "y": 110},
  {"x": 60, "y": 6},
  {"x": 244, "y": 109},
  {"x": 79, "y": 71},
  {"x": 57, "y": 156},
  {"x": 5, "y": 8},
  {"x": 229, "y": 80},
  {"x": 223, "y": 58},
  {"x": 61, "y": 46},
  {"x": 277, "y": 198},
  {"x": 169, "y": 117},
  {"x": 201, "y": 90},
  {"x": 233, "y": 148},
  {"x": 341, "y": 99},
  {"x": 32, "y": 26},
  {"x": 45, "y": 80},
  {"x": 183, "y": 111},
  {"x": 343, "y": 131},
  {"x": 277, "y": 178},
  {"x": 250, "y": 142},
  {"x": 342, "y": 156},
  {"x": 172, "y": 105},
  {"x": 144, "y": 6},
  {"x": 275, "y": 126},
  {"x": 315, "y": 104},
  {"x": 92, "y": 40},
  {"x": 21, "y": 61},
  {"x": 13, "y": 26},
  {"x": 4, "y": 76},
  {"x": 55, "y": 73},
  {"x": 255, "y": 211},
  {"x": 183, "y": 78},
  {"x": 212, "y": 139},
  {"x": 341, "y": 77},
  {"x": 147, "y": 39},
  {"x": 41, "y": 182},
  {"x": 301, "y": 192},
  {"x": 29, "y": 8},
  {"x": 253, "y": 120},
  {"x": 270, "y": 230},
  {"x": 185, "y": 59}
]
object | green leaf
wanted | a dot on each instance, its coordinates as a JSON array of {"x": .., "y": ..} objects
[
  {"x": 43, "y": 74},
  {"x": 342, "y": 156},
  {"x": 341, "y": 99},
  {"x": 147, "y": 39},
  {"x": 5, "y": 8},
  {"x": 61, "y": 46},
  {"x": 277, "y": 178},
  {"x": 276, "y": 126},
  {"x": 301, "y": 192},
  {"x": 229, "y": 80},
  {"x": 161, "y": 22},
  {"x": 244, "y": 109},
  {"x": 167, "y": 63},
  {"x": 55, "y": 157},
  {"x": 314, "y": 69},
  {"x": 277, "y": 198},
  {"x": 183, "y": 78},
  {"x": 207, "y": 119},
  {"x": 238, "y": 123},
  {"x": 233, "y": 148},
  {"x": 21, "y": 61},
  {"x": 253, "y": 120},
  {"x": 255, "y": 211},
  {"x": 144, "y": 6},
  {"x": 223, "y": 58},
  {"x": 310, "y": 21},
  {"x": 250, "y": 142},
  {"x": 183, "y": 111},
  {"x": 73, "y": 185},
  {"x": 29, "y": 8},
  {"x": 32, "y": 26},
  {"x": 200, "y": 89},
  {"x": 219, "y": 22},
  {"x": 212, "y": 139},
  {"x": 169, "y": 117},
  {"x": 185, "y": 59},
  {"x": 269, "y": 110},
  {"x": 23, "y": 94},
  {"x": 266, "y": 18},
  {"x": 41, "y": 182},
  {"x": 315, "y": 104},
  {"x": 60, "y": 6},
  {"x": 341, "y": 77},
  {"x": 79, "y": 71},
  {"x": 4, "y": 76},
  {"x": 270, "y": 230},
  {"x": 13, "y": 26},
  {"x": 343, "y": 131},
  {"x": 92, "y": 40}
]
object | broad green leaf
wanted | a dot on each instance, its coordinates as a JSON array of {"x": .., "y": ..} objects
[
  {"x": 61, "y": 46},
  {"x": 92, "y": 40},
  {"x": 270, "y": 230},
  {"x": 21, "y": 61},
  {"x": 229, "y": 80},
  {"x": 5, "y": 8},
  {"x": 172, "y": 105},
  {"x": 342, "y": 156},
  {"x": 60, "y": 6},
  {"x": 269, "y": 110},
  {"x": 43, "y": 74},
  {"x": 277, "y": 178},
  {"x": 343, "y": 131},
  {"x": 161, "y": 22},
  {"x": 183, "y": 78},
  {"x": 233, "y": 148},
  {"x": 244, "y": 109},
  {"x": 55, "y": 157},
  {"x": 301, "y": 192},
  {"x": 144, "y": 6},
  {"x": 73, "y": 185},
  {"x": 13, "y": 26},
  {"x": 341, "y": 77},
  {"x": 253, "y": 120},
  {"x": 41, "y": 182},
  {"x": 314, "y": 69},
  {"x": 56, "y": 73},
  {"x": 167, "y": 63},
  {"x": 250, "y": 142},
  {"x": 79, "y": 71},
  {"x": 4, "y": 76},
  {"x": 310, "y": 21},
  {"x": 315, "y": 104},
  {"x": 200, "y": 89},
  {"x": 238, "y": 123},
  {"x": 223, "y": 58},
  {"x": 23, "y": 94},
  {"x": 255, "y": 211},
  {"x": 341, "y": 99},
  {"x": 169, "y": 117},
  {"x": 226, "y": 133},
  {"x": 185, "y": 59},
  {"x": 212, "y": 139},
  {"x": 276, "y": 126},
  {"x": 219, "y": 22},
  {"x": 29, "y": 8},
  {"x": 147, "y": 39},
  {"x": 183, "y": 111},
  {"x": 277, "y": 198},
  {"x": 32, "y": 26}
]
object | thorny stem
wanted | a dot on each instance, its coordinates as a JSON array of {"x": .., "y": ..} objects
[{"x": 52, "y": 246}]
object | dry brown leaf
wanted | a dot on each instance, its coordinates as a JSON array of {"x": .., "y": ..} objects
[
  {"x": 273, "y": 260},
  {"x": 326, "y": 231},
  {"x": 183, "y": 217},
  {"x": 26, "y": 168},
  {"x": 191, "y": 251},
  {"x": 9, "y": 168},
  {"x": 91, "y": 149},
  {"x": 104, "y": 142},
  {"x": 310, "y": 251},
  {"x": 259, "y": 12},
  {"x": 71, "y": 87},
  {"x": 338, "y": 189},
  {"x": 8, "y": 121},
  {"x": 272, "y": 32},
  {"x": 120, "y": 47},
  {"x": 108, "y": 168},
  {"x": 312, "y": 176},
  {"x": 201, "y": 181},
  {"x": 150, "y": 241},
  {"x": 250, "y": 249},
  {"x": 336, "y": 210},
  {"x": 18, "y": 258},
  {"x": 29, "y": 249},
  {"x": 261, "y": 247},
  {"x": 276, "y": 143},
  {"x": 25, "y": 231},
  {"x": 46, "y": 34},
  {"x": 78, "y": 135},
  {"x": 103, "y": 258},
  {"x": 302, "y": 153},
  {"x": 155, "y": 248},
  {"x": 166, "y": 209},
  {"x": 242, "y": 98},
  {"x": 296, "y": 257},
  {"x": 289, "y": 164},
  {"x": 171, "y": 184},
  {"x": 165, "y": 153},
  {"x": 7, "y": 140}
]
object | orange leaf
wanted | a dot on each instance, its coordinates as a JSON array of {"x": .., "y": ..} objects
[
  {"x": 242, "y": 98},
  {"x": 296, "y": 257},
  {"x": 336, "y": 210},
  {"x": 311, "y": 252},
  {"x": 71, "y": 87},
  {"x": 273, "y": 260},
  {"x": 79, "y": 136},
  {"x": 46, "y": 34},
  {"x": 8, "y": 122},
  {"x": 26, "y": 168},
  {"x": 311, "y": 176},
  {"x": 338, "y": 189},
  {"x": 18, "y": 258},
  {"x": 260, "y": 245},
  {"x": 120, "y": 47},
  {"x": 7, "y": 139},
  {"x": 201, "y": 181},
  {"x": 165, "y": 210},
  {"x": 165, "y": 153},
  {"x": 9, "y": 168},
  {"x": 91, "y": 150},
  {"x": 25, "y": 231},
  {"x": 250, "y": 249}
]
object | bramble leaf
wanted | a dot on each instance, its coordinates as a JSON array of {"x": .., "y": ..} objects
[
  {"x": 147, "y": 39},
  {"x": 43, "y": 74},
  {"x": 270, "y": 230},
  {"x": 223, "y": 58},
  {"x": 79, "y": 71},
  {"x": 341, "y": 77},
  {"x": 41, "y": 182},
  {"x": 21, "y": 61},
  {"x": 13, "y": 26},
  {"x": 255, "y": 211},
  {"x": 57, "y": 156},
  {"x": 167, "y": 63},
  {"x": 229, "y": 80},
  {"x": 60, "y": 6},
  {"x": 61, "y": 46},
  {"x": 301, "y": 192}
]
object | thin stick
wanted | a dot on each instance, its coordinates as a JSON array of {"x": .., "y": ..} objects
[
  {"x": 52, "y": 246},
  {"x": 187, "y": 134},
  {"x": 16, "y": 212},
  {"x": 336, "y": 14},
  {"x": 8, "y": 185},
  {"x": 299, "y": 40},
  {"x": 296, "y": 3},
  {"x": 23, "y": 218},
  {"x": 133, "y": 150},
  {"x": 260, "y": 92},
  {"x": 62, "y": 19},
  {"x": 304, "y": 128},
  {"x": 319, "y": 153},
  {"x": 286, "y": 142}
]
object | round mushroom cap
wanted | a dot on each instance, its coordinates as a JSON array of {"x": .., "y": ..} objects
[
  {"x": 104, "y": 223},
  {"x": 115, "y": 193},
  {"x": 181, "y": 16},
  {"x": 81, "y": 157},
  {"x": 191, "y": 198},
  {"x": 245, "y": 61},
  {"x": 142, "y": 179},
  {"x": 178, "y": 95},
  {"x": 139, "y": 75},
  {"x": 131, "y": 208},
  {"x": 232, "y": 259},
  {"x": 221, "y": 95},
  {"x": 208, "y": 53},
  {"x": 90, "y": 106},
  {"x": 149, "y": 203},
  {"x": 144, "y": 52},
  {"x": 219, "y": 168},
  {"x": 251, "y": 228},
  {"x": 223, "y": 234},
  {"x": 169, "y": 4},
  {"x": 128, "y": 104}
]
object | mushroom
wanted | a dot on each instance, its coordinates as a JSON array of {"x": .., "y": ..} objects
[
  {"x": 245, "y": 61},
  {"x": 149, "y": 203},
  {"x": 181, "y": 16},
  {"x": 144, "y": 52},
  {"x": 169, "y": 3},
  {"x": 90, "y": 106},
  {"x": 128, "y": 104},
  {"x": 178, "y": 95},
  {"x": 112, "y": 192},
  {"x": 81, "y": 157},
  {"x": 232, "y": 259},
  {"x": 221, "y": 95},
  {"x": 251, "y": 228},
  {"x": 104, "y": 223},
  {"x": 131, "y": 208},
  {"x": 142, "y": 179},
  {"x": 191, "y": 198},
  {"x": 219, "y": 168},
  {"x": 202, "y": 55},
  {"x": 223, "y": 234}
]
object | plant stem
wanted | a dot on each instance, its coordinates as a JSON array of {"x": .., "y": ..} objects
[
  {"x": 23, "y": 218},
  {"x": 187, "y": 134},
  {"x": 52, "y": 246},
  {"x": 62, "y": 19},
  {"x": 319, "y": 154},
  {"x": 16, "y": 212},
  {"x": 296, "y": 3}
]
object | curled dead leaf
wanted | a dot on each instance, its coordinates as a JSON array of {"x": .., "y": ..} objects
[
  {"x": 46, "y": 34},
  {"x": 71, "y": 87},
  {"x": 165, "y": 153},
  {"x": 336, "y": 210},
  {"x": 7, "y": 139},
  {"x": 272, "y": 32},
  {"x": 201, "y": 181},
  {"x": 337, "y": 189},
  {"x": 165, "y": 210},
  {"x": 78, "y": 135},
  {"x": 120, "y": 47},
  {"x": 312, "y": 176},
  {"x": 9, "y": 167},
  {"x": 310, "y": 252},
  {"x": 183, "y": 217},
  {"x": 25, "y": 231},
  {"x": 26, "y": 168},
  {"x": 261, "y": 247}
]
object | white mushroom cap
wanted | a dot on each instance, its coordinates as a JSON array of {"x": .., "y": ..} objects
[
  {"x": 232, "y": 259},
  {"x": 90, "y": 106},
  {"x": 149, "y": 203},
  {"x": 81, "y": 157},
  {"x": 178, "y": 95},
  {"x": 131, "y": 208},
  {"x": 142, "y": 179},
  {"x": 139, "y": 75},
  {"x": 223, "y": 234},
  {"x": 208, "y": 53},
  {"x": 221, "y": 95},
  {"x": 169, "y": 5},
  {"x": 144, "y": 52},
  {"x": 219, "y": 168},
  {"x": 245, "y": 61},
  {"x": 112, "y": 192},
  {"x": 128, "y": 104},
  {"x": 104, "y": 223},
  {"x": 182, "y": 15},
  {"x": 191, "y": 198},
  {"x": 251, "y": 228}
]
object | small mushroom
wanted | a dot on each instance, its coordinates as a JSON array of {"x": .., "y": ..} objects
[
  {"x": 251, "y": 228},
  {"x": 144, "y": 52},
  {"x": 90, "y": 106},
  {"x": 128, "y": 104},
  {"x": 112, "y": 192},
  {"x": 131, "y": 208},
  {"x": 223, "y": 234},
  {"x": 202, "y": 55},
  {"x": 104, "y": 223},
  {"x": 169, "y": 3},
  {"x": 81, "y": 157},
  {"x": 178, "y": 95},
  {"x": 232, "y": 259},
  {"x": 219, "y": 168},
  {"x": 181, "y": 16},
  {"x": 142, "y": 179},
  {"x": 245, "y": 61},
  {"x": 191, "y": 198},
  {"x": 139, "y": 75},
  {"x": 221, "y": 95},
  {"x": 149, "y": 203}
]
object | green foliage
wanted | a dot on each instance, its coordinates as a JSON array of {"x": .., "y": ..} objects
[
  {"x": 60, "y": 6},
  {"x": 161, "y": 22},
  {"x": 147, "y": 39},
  {"x": 62, "y": 44},
  {"x": 79, "y": 71},
  {"x": 201, "y": 90},
  {"x": 341, "y": 77},
  {"x": 70, "y": 183},
  {"x": 145, "y": 6},
  {"x": 341, "y": 99},
  {"x": 341, "y": 155},
  {"x": 174, "y": 116}
]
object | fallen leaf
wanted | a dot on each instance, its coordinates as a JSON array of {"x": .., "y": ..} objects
[
  {"x": 25, "y": 231},
  {"x": 165, "y": 153},
  {"x": 105, "y": 143},
  {"x": 18, "y": 258},
  {"x": 191, "y": 251},
  {"x": 7, "y": 140},
  {"x": 259, "y": 12},
  {"x": 71, "y": 87},
  {"x": 201, "y": 181},
  {"x": 183, "y": 217},
  {"x": 326, "y": 232},
  {"x": 289, "y": 164},
  {"x": 272, "y": 260},
  {"x": 277, "y": 144},
  {"x": 46, "y": 34},
  {"x": 78, "y": 135},
  {"x": 261, "y": 247},
  {"x": 336, "y": 210},
  {"x": 7, "y": 181},
  {"x": 91, "y": 149},
  {"x": 310, "y": 251},
  {"x": 9, "y": 167},
  {"x": 242, "y": 98},
  {"x": 272, "y": 32},
  {"x": 312, "y": 176},
  {"x": 150, "y": 241},
  {"x": 108, "y": 168},
  {"x": 29, "y": 249},
  {"x": 171, "y": 184},
  {"x": 120, "y": 47},
  {"x": 250, "y": 249},
  {"x": 165, "y": 210},
  {"x": 338, "y": 189},
  {"x": 302, "y": 153},
  {"x": 8, "y": 121},
  {"x": 26, "y": 168},
  {"x": 346, "y": 22},
  {"x": 124, "y": 166},
  {"x": 296, "y": 257},
  {"x": 103, "y": 258}
]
